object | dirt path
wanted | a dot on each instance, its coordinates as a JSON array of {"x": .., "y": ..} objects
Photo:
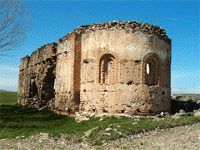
[{"x": 182, "y": 137}]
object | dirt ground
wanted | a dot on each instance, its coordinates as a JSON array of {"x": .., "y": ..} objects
[{"x": 182, "y": 137}]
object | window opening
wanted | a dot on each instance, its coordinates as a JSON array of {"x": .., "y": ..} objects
[
  {"x": 54, "y": 84},
  {"x": 148, "y": 68},
  {"x": 152, "y": 71},
  {"x": 107, "y": 69}
]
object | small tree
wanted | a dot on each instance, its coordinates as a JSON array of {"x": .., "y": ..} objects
[{"x": 15, "y": 20}]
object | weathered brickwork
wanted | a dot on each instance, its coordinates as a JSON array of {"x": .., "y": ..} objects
[{"x": 114, "y": 67}]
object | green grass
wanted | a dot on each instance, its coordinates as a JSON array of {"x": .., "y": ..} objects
[
  {"x": 20, "y": 121},
  {"x": 17, "y": 120},
  {"x": 8, "y": 98}
]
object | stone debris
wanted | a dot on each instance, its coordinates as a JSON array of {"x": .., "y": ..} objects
[
  {"x": 79, "y": 119},
  {"x": 108, "y": 129},
  {"x": 176, "y": 117},
  {"x": 181, "y": 111},
  {"x": 101, "y": 119},
  {"x": 81, "y": 116},
  {"x": 197, "y": 113},
  {"x": 134, "y": 123},
  {"x": 106, "y": 134},
  {"x": 44, "y": 136},
  {"x": 132, "y": 26},
  {"x": 87, "y": 134}
]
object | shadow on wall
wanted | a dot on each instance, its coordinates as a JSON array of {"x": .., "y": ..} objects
[
  {"x": 33, "y": 88},
  {"x": 48, "y": 85}
]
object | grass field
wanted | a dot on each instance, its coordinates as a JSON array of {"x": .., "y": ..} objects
[
  {"x": 16, "y": 120},
  {"x": 8, "y": 98}
]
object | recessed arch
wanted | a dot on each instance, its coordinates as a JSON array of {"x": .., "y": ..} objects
[
  {"x": 107, "y": 69},
  {"x": 151, "y": 74}
]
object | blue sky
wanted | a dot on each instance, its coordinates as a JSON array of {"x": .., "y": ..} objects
[{"x": 54, "y": 19}]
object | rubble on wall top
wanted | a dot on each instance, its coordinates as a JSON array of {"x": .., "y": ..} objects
[
  {"x": 41, "y": 54},
  {"x": 45, "y": 46},
  {"x": 41, "y": 48},
  {"x": 127, "y": 25}
]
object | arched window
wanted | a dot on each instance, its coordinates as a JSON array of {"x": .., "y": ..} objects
[
  {"x": 151, "y": 70},
  {"x": 107, "y": 69}
]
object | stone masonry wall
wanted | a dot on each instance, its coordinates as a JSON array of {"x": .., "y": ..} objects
[
  {"x": 114, "y": 67},
  {"x": 36, "y": 77},
  {"x": 132, "y": 99},
  {"x": 68, "y": 74},
  {"x": 127, "y": 88}
]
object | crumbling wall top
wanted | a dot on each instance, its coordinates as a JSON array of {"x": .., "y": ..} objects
[
  {"x": 133, "y": 26},
  {"x": 41, "y": 54}
]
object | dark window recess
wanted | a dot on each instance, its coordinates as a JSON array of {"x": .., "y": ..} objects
[
  {"x": 86, "y": 61},
  {"x": 138, "y": 110},
  {"x": 33, "y": 88},
  {"x": 129, "y": 82},
  {"x": 137, "y": 62},
  {"x": 105, "y": 111}
]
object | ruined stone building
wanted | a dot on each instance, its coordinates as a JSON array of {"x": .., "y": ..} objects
[{"x": 114, "y": 67}]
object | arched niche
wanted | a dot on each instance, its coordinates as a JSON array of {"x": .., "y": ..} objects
[
  {"x": 107, "y": 69},
  {"x": 151, "y": 74}
]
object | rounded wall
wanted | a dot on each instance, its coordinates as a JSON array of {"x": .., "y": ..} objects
[{"x": 129, "y": 88}]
